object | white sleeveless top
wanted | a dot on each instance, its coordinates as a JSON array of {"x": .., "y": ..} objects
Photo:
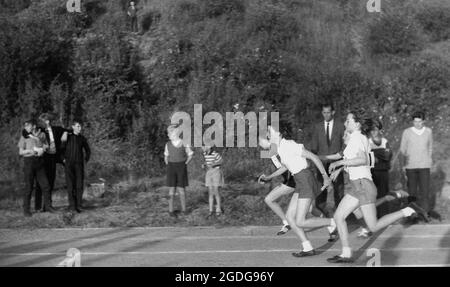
[{"x": 357, "y": 143}]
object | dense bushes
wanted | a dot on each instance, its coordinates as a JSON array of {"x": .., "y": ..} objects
[
  {"x": 285, "y": 56},
  {"x": 150, "y": 19},
  {"x": 435, "y": 19},
  {"x": 394, "y": 33}
]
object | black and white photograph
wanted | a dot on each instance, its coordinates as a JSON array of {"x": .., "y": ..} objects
[{"x": 224, "y": 133}]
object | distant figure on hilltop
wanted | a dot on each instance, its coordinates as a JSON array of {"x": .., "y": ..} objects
[{"x": 132, "y": 13}]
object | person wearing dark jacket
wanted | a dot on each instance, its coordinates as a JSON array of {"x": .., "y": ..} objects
[
  {"x": 76, "y": 152},
  {"x": 32, "y": 148},
  {"x": 52, "y": 155},
  {"x": 327, "y": 139},
  {"x": 380, "y": 171},
  {"x": 132, "y": 13}
]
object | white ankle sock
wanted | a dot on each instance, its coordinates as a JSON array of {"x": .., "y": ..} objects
[
  {"x": 285, "y": 222},
  {"x": 346, "y": 252},
  {"x": 407, "y": 211},
  {"x": 332, "y": 226},
  {"x": 307, "y": 246}
]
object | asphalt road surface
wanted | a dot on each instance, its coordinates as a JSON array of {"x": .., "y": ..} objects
[{"x": 416, "y": 245}]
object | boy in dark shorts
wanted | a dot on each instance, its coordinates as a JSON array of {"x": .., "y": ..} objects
[{"x": 176, "y": 156}]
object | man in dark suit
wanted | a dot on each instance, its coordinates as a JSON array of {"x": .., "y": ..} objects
[
  {"x": 327, "y": 140},
  {"x": 76, "y": 153},
  {"x": 53, "y": 154}
]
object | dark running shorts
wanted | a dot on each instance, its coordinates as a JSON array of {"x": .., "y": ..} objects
[
  {"x": 177, "y": 174},
  {"x": 288, "y": 179},
  {"x": 306, "y": 184},
  {"x": 363, "y": 189}
]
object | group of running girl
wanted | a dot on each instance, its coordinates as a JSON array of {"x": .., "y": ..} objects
[{"x": 360, "y": 198}]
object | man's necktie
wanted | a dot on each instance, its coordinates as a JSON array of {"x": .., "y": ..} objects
[{"x": 328, "y": 134}]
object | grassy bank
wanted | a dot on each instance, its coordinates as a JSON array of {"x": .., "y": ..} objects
[{"x": 144, "y": 203}]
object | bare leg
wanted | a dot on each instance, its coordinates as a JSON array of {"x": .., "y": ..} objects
[
  {"x": 182, "y": 199},
  {"x": 217, "y": 196},
  {"x": 301, "y": 220},
  {"x": 291, "y": 215},
  {"x": 370, "y": 216},
  {"x": 276, "y": 193},
  {"x": 171, "y": 193},
  {"x": 347, "y": 205},
  {"x": 210, "y": 198}
]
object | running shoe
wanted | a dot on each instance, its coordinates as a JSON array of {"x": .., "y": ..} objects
[
  {"x": 304, "y": 253},
  {"x": 364, "y": 233},
  {"x": 435, "y": 215},
  {"x": 339, "y": 259},
  {"x": 422, "y": 214},
  {"x": 284, "y": 229},
  {"x": 333, "y": 233}
]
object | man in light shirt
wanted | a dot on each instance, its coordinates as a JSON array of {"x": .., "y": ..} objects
[{"x": 416, "y": 148}]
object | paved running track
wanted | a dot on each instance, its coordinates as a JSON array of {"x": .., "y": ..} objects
[{"x": 416, "y": 245}]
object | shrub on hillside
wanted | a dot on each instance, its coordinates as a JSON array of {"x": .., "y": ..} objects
[
  {"x": 435, "y": 20},
  {"x": 187, "y": 12},
  {"x": 216, "y": 8},
  {"x": 394, "y": 33},
  {"x": 430, "y": 74},
  {"x": 150, "y": 19}
]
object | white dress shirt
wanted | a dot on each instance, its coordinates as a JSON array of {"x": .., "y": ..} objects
[{"x": 330, "y": 128}]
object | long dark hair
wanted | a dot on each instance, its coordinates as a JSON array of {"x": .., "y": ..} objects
[{"x": 367, "y": 123}]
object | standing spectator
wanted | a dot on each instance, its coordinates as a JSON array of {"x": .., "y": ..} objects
[
  {"x": 76, "y": 152},
  {"x": 416, "y": 148},
  {"x": 380, "y": 172},
  {"x": 213, "y": 177},
  {"x": 53, "y": 154},
  {"x": 176, "y": 157},
  {"x": 32, "y": 149},
  {"x": 327, "y": 139},
  {"x": 132, "y": 13}
]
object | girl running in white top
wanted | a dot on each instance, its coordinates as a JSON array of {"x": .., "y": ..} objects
[
  {"x": 293, "y": 158},
  {"x": 363, "y": 192},
  {"x": 285, "y": 188}
]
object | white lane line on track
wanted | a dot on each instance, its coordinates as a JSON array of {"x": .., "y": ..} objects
[
  {"x": 181, "y": 228},
  {"x": 153, "y": 238},
  {"x": 210, "y": 251}
]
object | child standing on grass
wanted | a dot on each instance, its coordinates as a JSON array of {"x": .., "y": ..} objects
[
  {"x": 213, "y": 177},
  {"x": 176, "y": 156}
]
